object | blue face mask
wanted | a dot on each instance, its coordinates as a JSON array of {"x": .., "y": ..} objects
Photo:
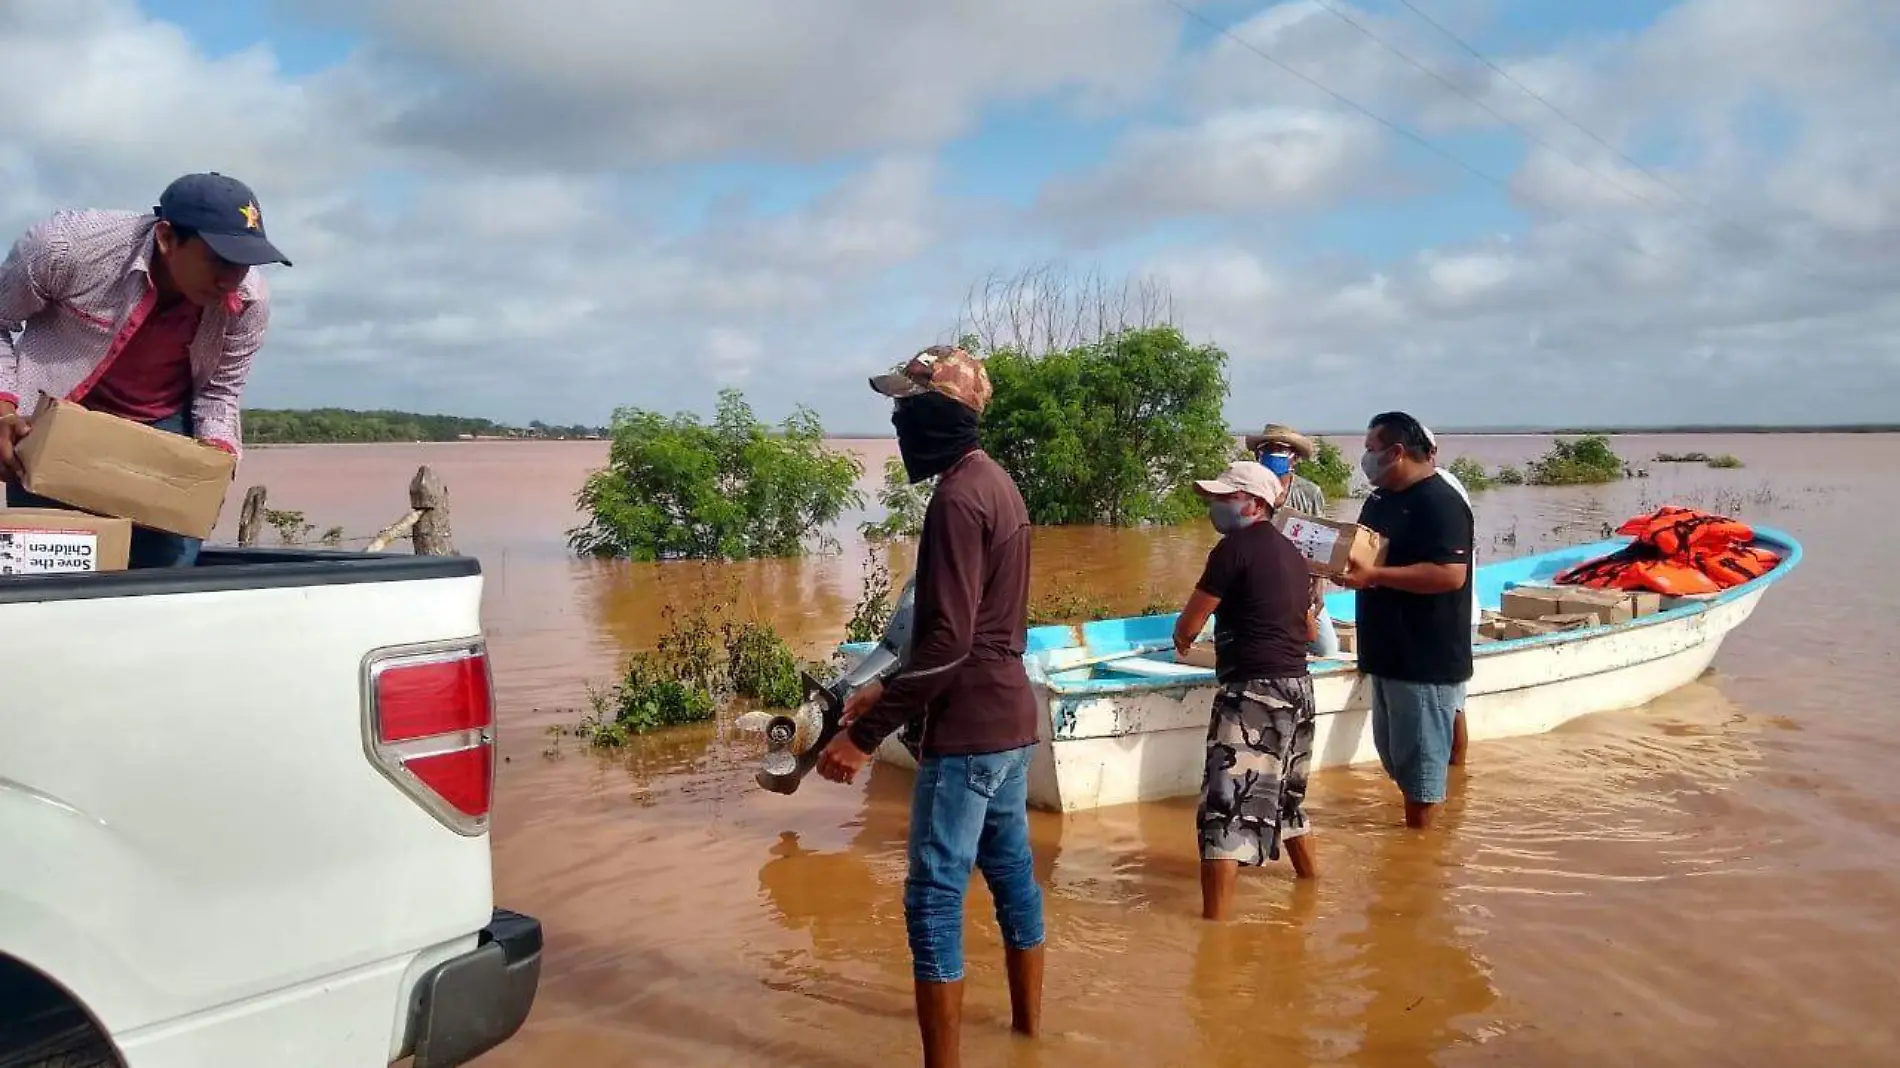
[{"x": 1278, "y": 463}]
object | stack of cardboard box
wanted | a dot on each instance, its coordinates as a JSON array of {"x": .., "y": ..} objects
[
  {"x": 120, "y": 474},
  {"x": 1528, "y": 611}
]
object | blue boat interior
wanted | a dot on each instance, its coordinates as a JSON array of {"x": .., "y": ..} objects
[{"x": 1105, "y": 637}]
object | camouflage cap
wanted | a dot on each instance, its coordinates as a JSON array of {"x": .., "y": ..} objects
[{"x": 944, "y": 369}]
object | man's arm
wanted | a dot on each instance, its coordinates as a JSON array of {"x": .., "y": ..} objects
[
  {"x": 949, "y": 586},
  {"x": 214, "y": 411},
  {"x": 1193, "y": 619},
  {"x": 32, "y": 277},
  {"x": 1445, "y": 532}
]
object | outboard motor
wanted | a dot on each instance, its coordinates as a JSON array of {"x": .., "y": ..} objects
[{"x": 795, "y": 740}]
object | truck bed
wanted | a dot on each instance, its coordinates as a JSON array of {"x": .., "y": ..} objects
[
  {"x": 207, "y": 844},
  {"x": 224, "y": 568}
]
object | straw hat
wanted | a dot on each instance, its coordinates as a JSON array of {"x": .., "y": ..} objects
[{"x": 1283, "y": 435}]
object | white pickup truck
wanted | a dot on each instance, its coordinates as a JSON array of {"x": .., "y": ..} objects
[{"x": 244, "y": 817}]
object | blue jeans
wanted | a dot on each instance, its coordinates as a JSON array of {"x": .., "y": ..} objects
[
  {"x": 1412, "y": 727},
  {"x": 150, "y": 548},
  {"x": 969, "y": 812}
]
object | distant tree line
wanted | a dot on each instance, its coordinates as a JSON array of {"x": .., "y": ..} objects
[{"x": 282, "y": 426}]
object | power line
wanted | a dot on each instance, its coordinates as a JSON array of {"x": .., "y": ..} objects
[
  {"x": 1727, "y": 223},
  {"x": 1395, "y": 127},
  {"x": 1488, "y": 109},
  {"x": 1554, "y": 109}
]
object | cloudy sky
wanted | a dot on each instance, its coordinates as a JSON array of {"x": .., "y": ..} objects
[{"x": 1609, "y": 212}]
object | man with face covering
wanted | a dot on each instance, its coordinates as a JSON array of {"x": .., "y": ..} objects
[
  {"x": 1260, "y": 740},
  {"x": 965, "y": 677},
  {"x": 1280, "y": 448},
  {"x": 1414, "y": 611}
]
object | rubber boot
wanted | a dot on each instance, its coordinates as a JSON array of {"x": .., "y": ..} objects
[
  {"x": 1025, "y": 989},
  {"x": 940, "y": 1020}
]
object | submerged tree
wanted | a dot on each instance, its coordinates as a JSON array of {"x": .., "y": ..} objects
[
  {"x": 678, "y": 488},
  {"x": 1103, "y": 411}
]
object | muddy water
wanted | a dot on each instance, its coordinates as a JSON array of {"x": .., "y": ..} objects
[{"x": 1711, "y": 879}]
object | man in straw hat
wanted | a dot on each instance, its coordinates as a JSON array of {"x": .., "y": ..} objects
[
  {"x": 1260, "y": 743},
  {"x": 1278, "y": 447}
]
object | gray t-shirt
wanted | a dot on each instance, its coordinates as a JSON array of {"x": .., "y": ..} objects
[{"x": 1304, "y": 496}]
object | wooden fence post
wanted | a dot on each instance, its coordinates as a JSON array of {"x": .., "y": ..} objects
[
  {"x": 251, "y": 518},
  {"x": 427, "y": 495}
]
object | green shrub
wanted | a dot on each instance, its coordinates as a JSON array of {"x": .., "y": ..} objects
[
  {"x": 1113, "y": 431},
  {"x": 678, "y": 488},
  {"x": 1725, "y": 462},
  {"x": 873, "y": 611},
  {"x": 1471, "y": 473},
  {"x": 1068, "y": 607},
  {"x": 696, "y": 667},
  {"x": 1509, "y": 475},
  {"x": 644, "y": 699},
  {"x": 1584, "y": 461},
  {"x": 1328, "y": 470},
  {"x": 904, "y": 505},
  {"x": 761, "y": 665}
]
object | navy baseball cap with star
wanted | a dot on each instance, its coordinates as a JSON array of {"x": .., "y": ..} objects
[{"x": 224, "y": 212}]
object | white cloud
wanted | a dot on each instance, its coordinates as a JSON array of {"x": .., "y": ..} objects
[
  {"x": 1232, "y": 162},
  {"x": 481, "y": 209},
  {"x": 591, "y": 81}
]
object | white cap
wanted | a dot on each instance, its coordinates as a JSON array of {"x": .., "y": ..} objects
[
  {"x": 1245, "y": 476},
  {"x": 1430, "y": 438}
]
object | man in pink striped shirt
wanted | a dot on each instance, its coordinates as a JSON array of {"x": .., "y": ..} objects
[{"x": 154, "y": 317}]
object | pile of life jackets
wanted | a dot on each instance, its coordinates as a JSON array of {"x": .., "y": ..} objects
[{"x": 1677, "y": 552}]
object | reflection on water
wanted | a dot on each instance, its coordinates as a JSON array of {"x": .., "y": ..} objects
[{"x": 1707, "y": 880}]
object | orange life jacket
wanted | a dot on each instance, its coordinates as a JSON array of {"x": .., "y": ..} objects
[
  {"x": 1672, "y": 530},
  {"x": 1677, "y": 552},
  {"x": 1635, "y": 568},
  {"x": 1736, "y": 564}
]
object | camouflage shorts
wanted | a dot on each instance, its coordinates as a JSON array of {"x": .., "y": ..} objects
[{"x": 1259, "y": 747}]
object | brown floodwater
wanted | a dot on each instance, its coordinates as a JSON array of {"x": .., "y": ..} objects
[{"x": 1711, "y": 879}]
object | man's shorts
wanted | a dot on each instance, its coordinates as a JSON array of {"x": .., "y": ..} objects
[
  {"x": 1412, "y": 728},
  {"x": 1259, "y": 749}
]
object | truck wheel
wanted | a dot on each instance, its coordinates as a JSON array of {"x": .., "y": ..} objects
[{"x": 78, "y": 1045}]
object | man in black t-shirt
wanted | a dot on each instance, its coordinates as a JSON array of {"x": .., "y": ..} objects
[
  {"x": 1414, "y": 611},
  {"x": 1260, "y": 739}
]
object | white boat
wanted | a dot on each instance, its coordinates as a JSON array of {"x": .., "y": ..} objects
[{"x": 1134, "y": 728}]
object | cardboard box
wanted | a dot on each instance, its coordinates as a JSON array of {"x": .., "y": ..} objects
[
  {"x": 1572, "y": 620},
  {"x": 1526, "y": 628},
  {"x": 1530, "y": 602},
  {"x": 1328, "y": 544},
  {"x": 47, "y": 541},
  {"x": 1348, "y": 634},
  {"x": 1645, "y": 603},
  {"x": 119, "y": 468},
  {"x": 1609, "y": 606},
  {"x": 1492, "y": 630}
]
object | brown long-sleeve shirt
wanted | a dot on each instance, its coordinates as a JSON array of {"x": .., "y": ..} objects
[{"x": 965, "y": 673}]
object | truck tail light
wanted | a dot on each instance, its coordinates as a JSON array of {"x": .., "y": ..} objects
[{"x": 430, "y": 728}]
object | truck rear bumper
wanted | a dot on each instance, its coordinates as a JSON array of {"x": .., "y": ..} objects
[{"x": 471, "y": 1004}]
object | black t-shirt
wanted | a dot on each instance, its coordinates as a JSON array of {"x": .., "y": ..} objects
[
  {"x": 1418, "y": 637},
  {"x": 1264, "y": 591}
]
